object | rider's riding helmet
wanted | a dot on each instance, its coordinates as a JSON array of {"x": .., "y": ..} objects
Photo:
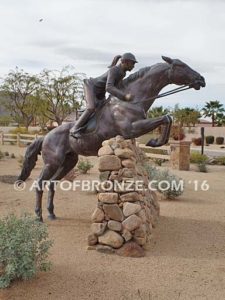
[{"x": 128, "y": 56}]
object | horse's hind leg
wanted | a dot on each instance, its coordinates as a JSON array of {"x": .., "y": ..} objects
[
  {"x": 68, "y": 164},
  {"x": 47, "y": 172}
]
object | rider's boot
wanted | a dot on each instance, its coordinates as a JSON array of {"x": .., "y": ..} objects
[{"x": 75, "y": 130}]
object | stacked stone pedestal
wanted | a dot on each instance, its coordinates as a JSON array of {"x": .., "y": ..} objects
[
  {"x": 180, "y": 155},
  {"x": 127, "y": 210}
]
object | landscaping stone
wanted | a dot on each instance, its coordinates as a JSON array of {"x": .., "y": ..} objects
[
  {"x": 108, "y": 197},
  {"x": 132, "y": 222},
  {"x": 109, "y": 163},
  {"x": 111, "y": 238},
  {"x": 98, "y": 215},
  {"x": 131, "y": 249},
  {"x": 130, "y": 209},
  {"x": 113, "y": 212},
  {"x": 126, "y": 211},
  {"x": 114, "y": 225}
]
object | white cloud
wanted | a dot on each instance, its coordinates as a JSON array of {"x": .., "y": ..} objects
[{"x": 87, "y": 34}]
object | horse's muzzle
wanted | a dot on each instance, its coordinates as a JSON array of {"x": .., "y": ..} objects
[{"x": 198, "y": 83}]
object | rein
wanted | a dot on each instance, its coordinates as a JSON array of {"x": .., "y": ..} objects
[{"x": 174, "y": 91}]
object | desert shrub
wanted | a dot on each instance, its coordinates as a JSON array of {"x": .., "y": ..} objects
[
  {"x": 6, "y": 153},
  {"x": 24, "y": 247},
  {"x": 197, "y": 141},
  {"x": 84, "y": 166},
  {"x": 12, "y": 155},
  {"x": 220, "y": 160},
  {"x": 209, "y": 139},
  {"x": 21, "y": 130},
  {"x": 166, "y": 183},
  {"x": 177, "y": 133},
  {"x": 197, "y": 158},
  {"x": 158, "y": 161},
  {"x": 219, "y": 140},
  {"x": 1, "y": 154},
  {"x": 202, "y": 167}
]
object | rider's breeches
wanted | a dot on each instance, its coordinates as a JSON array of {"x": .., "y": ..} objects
[
  {"x": 89, "y": 95},
  {"x": 90, "y": 107}
]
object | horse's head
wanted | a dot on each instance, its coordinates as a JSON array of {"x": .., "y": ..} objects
[{"x": 180, "y": 73}]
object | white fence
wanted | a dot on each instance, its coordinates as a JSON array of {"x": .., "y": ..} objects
[
  {"x": 18, "y": 139},
  {"x": 156, "y": 155}
]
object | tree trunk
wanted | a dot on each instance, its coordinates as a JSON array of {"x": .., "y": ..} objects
[{"x": 213, "y": 120}]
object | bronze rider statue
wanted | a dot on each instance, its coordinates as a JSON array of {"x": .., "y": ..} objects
[{"x": 95, "y": 88}]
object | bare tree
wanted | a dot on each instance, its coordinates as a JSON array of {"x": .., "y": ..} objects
[
  {"x": 61, "y": 93},
  {"x": 19, "y": 90}
]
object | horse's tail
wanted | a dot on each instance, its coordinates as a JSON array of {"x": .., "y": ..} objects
[{"x": 30, "y": 158}]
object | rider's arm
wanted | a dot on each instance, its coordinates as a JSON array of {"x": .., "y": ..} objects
[{"x": 110, "y": 84}]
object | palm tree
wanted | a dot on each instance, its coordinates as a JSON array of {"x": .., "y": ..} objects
[
  {"x": 213, "y": 109},
  {"x": 157, "y": 111}
]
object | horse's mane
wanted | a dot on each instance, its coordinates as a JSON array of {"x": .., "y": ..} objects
[{"x": 140, "y": 73}]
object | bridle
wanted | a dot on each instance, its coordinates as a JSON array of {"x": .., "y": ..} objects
[{"x": 174, "y": 91}]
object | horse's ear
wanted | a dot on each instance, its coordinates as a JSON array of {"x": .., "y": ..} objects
[{"x": 167, "y": 59}]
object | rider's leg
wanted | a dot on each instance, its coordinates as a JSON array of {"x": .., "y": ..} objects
[{"x": 90, "y": 100}]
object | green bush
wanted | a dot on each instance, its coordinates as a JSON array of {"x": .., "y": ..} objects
[
  {"x": 209, "y": 139},
  {"x": 219, "y": 140},
  {"x": 21, "y": 130},
  {"x": 220, "y": 160},
  {"x": 202, "y": 167},
  {"x": 197, "y": 158},
  {"x": 166, "y": 183},
  {"x": 84, "y": 166},
  {"x": 197, "y": 141},
  {"x": 158, "y": 161},
  {"x": 6, "y": 153},
  {"x": 24, "y": 247}
]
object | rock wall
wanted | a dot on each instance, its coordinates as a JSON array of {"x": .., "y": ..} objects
[{"x": 127, "y": 211}]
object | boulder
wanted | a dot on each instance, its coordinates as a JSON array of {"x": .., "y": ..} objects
[
  {"x": 108, "y": 197},
  {"x": 111, "y": 238},
  {"x": 98, "y": 228},
  {"x": 114, "y": 225},
  {"x": 131, "y": 197},
  {"x": 130, "y": 209},
  {"x": 109, "y": 163},
  {"x": 131, "y": 249},
  {"x": 105, "y": 150},
  {"x": 132, "y": 223},
  {"x": 113, "y": 212},
  {"x": 98, "y": 215}
]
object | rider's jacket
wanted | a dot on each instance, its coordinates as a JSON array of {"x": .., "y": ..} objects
[{"x": 109, "y": 82}]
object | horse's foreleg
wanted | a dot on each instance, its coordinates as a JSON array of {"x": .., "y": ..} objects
[
  {"x": 68, "y": 164},
  {"x": 145, "y": 126}
]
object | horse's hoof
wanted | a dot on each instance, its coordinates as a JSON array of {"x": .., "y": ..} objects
[
  {"x": 152, "y": 143},
  {"x": 52, "y": 217}
]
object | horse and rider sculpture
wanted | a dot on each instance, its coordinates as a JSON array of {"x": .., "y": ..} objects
[{"x": 123, "y": 113}]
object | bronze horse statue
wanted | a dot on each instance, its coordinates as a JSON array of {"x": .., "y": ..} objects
[{"x": 60, "y": 150}]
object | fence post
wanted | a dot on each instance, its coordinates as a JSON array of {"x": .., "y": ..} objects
[
  {"x": 18, "y": 139},
  {"x": 180, "y": 155}
]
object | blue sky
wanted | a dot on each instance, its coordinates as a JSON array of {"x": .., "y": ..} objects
[{"x": 88, "y": 33}]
